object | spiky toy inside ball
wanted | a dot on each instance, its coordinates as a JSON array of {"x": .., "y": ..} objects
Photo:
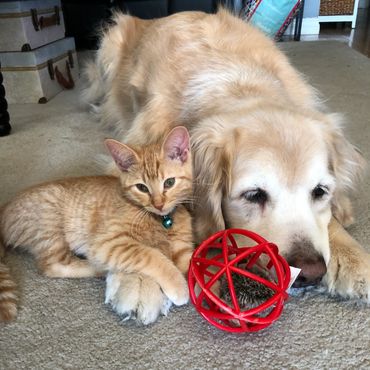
[{"x": 238, "y": 288}]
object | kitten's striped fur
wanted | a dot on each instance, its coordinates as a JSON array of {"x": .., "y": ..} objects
[
  {"x": 8, "y": 291},
  {"x": 114, "y": 222}
]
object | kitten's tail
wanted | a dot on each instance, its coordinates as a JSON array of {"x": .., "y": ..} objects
[
  {"x": 8, "y": 295},
  {"x": 8, "y": 290}
]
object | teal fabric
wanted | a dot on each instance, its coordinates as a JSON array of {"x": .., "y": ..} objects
[{"x": 270, "y": 15}]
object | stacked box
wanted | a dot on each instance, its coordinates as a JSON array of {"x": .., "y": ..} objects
[
  {"x": 37, "y": 61},
  {"x": 26, "y": 25},
  {"x": 38, "y": 75}
]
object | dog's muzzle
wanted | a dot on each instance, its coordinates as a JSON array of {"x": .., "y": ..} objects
[{"x": 312, "y": 264}]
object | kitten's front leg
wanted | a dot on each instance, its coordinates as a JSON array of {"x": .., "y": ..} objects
[
  {"x": 181, "y": 241},
  {"x": 348, "y": 272},
  {"x": 123, "y": 254},
  {"x": 181, "y": 255},
  {"x": 136, "y": 296}
]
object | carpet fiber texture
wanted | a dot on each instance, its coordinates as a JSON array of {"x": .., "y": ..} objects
[{"x": 64, "y": 324}]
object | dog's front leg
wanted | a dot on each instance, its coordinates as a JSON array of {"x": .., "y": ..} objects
[{"x": 348, "y": 273}]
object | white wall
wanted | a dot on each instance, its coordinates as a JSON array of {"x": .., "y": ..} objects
[{"x": 311, "y": 8}]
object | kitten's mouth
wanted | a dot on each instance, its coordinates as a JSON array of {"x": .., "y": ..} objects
[{"x": 162, "y": 213}]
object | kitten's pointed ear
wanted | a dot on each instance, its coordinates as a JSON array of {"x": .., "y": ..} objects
[
  {"x": 124, "y": 156},
  {"x": 177, "y": 144}
]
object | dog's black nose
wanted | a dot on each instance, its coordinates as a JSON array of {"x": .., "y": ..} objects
[
  {"x": 311, "y": 272},
  {"x": 311, "y": 263}
]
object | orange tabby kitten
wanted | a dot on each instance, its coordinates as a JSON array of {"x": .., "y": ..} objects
[
  {"x": 8, "y": 292},
  {"x": 136, "y": 223}
]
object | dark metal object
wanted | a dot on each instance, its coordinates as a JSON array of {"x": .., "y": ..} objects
[
  {"x": 51, "y": 69},
  {"x": 5, "y": 127},
  {"x": 26, "y": 47},
  {"x": 70, "y": 59},
  {"x": 298, "y": 23},
  {"x": 35, "y": 20}
]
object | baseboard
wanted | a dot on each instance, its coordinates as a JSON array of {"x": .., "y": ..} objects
[{"x": 310, "y": 26}]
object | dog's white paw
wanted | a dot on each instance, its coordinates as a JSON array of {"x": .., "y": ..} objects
[
  {"x": 348, "y": 275},
  {"x": 136, "y": 296}
]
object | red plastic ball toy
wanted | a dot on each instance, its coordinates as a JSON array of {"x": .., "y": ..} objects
[{"x": 218, "y": 260}]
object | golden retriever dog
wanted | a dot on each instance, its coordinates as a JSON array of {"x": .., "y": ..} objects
[{"x": 266, "y": 155}]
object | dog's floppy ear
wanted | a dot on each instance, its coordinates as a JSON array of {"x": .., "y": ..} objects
[
  {"x": 212, "y": 173},
  {"x": 346, "y": 161},
  {"x": 347, "y": 165}
]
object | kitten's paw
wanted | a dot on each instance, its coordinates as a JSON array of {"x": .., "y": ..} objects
[
  {"x": 349, "y": 275},
  {"x": 136, "y": 296},
  {"x": 177, "y": 291}
]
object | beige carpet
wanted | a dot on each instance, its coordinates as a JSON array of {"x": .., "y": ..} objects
[{"x": 64, "y": 324}]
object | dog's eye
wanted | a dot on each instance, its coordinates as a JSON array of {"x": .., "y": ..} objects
[
  {"x": 258, "y": 196},
  {"x": 319, "y": 192},
  {"x": 143, "y": 188}
]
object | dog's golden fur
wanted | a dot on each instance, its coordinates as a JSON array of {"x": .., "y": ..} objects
[{"x": 266, "y": 156}]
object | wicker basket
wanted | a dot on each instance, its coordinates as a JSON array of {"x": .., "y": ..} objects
[{"x": 336, "y": 7}]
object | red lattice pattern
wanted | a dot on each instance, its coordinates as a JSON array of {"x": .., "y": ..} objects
[{"x": 221, "y": 255}]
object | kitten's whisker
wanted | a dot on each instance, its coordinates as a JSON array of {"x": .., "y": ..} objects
[
  {"x": 187, "y": 201},
  {"x": 144, "y": 213},
  {"x": 200, "y": 182},
  {"x": 194, "y": 197},
  {"x": 190, "y": 199},
  {"x": 135, "y": 223},
  {"x": 136, "y": 220}
]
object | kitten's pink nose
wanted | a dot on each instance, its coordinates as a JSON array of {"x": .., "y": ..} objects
[{"x": 158, "y": 206}]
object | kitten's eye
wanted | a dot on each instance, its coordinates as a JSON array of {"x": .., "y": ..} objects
[
  {"x": 319, "y": 192},
  {"x": 169, "y": 183},
  {"x": 257, "y": 196},
  {"x": 143, "y": 188}
]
